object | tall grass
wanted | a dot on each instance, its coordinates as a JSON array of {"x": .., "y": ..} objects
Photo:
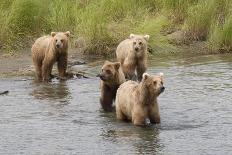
[
  {"x": 221, "y": 36},
  {"x": 177, "y": 9},
  {"x": 199, "y": 19},
  {"x": 210, "y": 20},
  {"x": 104, "y": 23}
]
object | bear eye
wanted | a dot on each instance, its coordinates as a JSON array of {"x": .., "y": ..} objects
[
  {"x": 140, "y": 43},
  {"x": 56, "y": 40},
  {"x": 134, "y": 43},
  {"x": 162, "y": 82},
  {"x": 155, "y": 82},
  {"x": 62, "y": 40}
]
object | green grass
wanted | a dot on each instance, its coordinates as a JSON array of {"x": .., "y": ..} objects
[
  {"x": 221, "y": 36},
  {"x": 104, "y": 23}
]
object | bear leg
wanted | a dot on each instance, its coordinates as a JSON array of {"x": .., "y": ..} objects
[
  {"x": 139, "y": 116},
  {"x": 62, "y": 66},
  {"x": 106, "y": 100},
  {"x": 38, "y": 70},
  {"x": 119, "y": 114},
  {"x": 141, "y": 68},
  {"x": 47, "y": 70},
  {"x": 129, "y": 69},
  {"x": 154, "y": 115},
  {"x": 138, "y": 120}
]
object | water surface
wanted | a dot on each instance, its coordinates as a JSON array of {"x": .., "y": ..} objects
[{"x": 66, "y": 118}]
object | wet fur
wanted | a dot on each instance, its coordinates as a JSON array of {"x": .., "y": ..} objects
[
  {"x": 110, "y": 85},
  {"x": 140, "y": 100}
]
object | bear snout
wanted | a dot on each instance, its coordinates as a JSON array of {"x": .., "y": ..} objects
[
  {"x": 136, "y": 48},
  {"x": 57, "y": 46},
  {"x": 102, "y": 77},
  {"x": 162, "y": 89}
]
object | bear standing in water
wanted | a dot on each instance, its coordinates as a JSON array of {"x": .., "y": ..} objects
[
  {"x": 111, "y": 78},
  {"x": 50, "y": 49},
  {"x": 138, "y": 101},
  {"x": 132, "y": 53}
]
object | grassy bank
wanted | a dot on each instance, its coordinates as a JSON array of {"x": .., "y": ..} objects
[{"x": 104, "y": 23}]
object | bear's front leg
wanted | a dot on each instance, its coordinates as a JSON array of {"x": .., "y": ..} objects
[
  {"x": 129, "y": 70},
  {"x": 106, "y": 99},
  {"x": 62, "y": 66},
  {"x": 141, "y": 68},
  {"x": 154, "y": 114},
  {"x": 138, "y": 116},
  {"x": 119, "y": 113}
]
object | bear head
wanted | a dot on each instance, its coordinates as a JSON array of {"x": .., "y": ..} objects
[
  {"x": 153, "y": 85},
  {"x": 60, "y": 39},
  {"x": 109, "y": 71},
  {"x": 139, "y": 43}
]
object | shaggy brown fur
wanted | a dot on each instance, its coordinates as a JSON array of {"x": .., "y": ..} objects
[
  {"x": 50, "y": 49},
  {"x": 136, "y": 102},
  {"x": 132, "y": 53},
  {"x": 111, "y": 78}
]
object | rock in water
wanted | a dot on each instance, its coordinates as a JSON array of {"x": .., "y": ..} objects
[{"x": 4, "y": 92}]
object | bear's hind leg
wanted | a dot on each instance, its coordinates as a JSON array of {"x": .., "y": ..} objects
[
  {"x": 139, "y": 116},
  {"x": 106, "y": 99},
  {"x": 62, "y": 66},
  {"x": 38, "y": 70}
]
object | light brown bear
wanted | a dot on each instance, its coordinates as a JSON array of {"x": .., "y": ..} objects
[
  {"x": 111, "y": 78},
  {"x": 132, "y": 53},
  {"x": 137, "y": 101},
  {"x": 50, "y": 49}
]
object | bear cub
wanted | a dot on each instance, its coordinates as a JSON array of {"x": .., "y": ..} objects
[
  {"x": 111, "y": 78},
  {"x": 137, "y": 101}
]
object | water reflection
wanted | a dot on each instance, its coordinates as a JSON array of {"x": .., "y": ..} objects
[
  {"x": 149, "y": 142},
  {"x": 139, "y": 140},
  {"x": 54, "y": 92}
]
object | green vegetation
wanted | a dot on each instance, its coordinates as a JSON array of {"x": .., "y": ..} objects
[{"x": 104, "y": 23}]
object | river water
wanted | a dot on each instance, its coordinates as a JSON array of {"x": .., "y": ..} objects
[{"x": 66, "y": 118}]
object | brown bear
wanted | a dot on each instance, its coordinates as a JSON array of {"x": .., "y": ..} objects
[
  {"x": 111, "y": 78},
  {"x": 138, "y": 101},
  {"x": 50, "y": 49},
  {"x": 132, "y": 53}
]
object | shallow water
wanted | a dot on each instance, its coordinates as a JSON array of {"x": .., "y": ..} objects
[{"x": 66, "y": 118}]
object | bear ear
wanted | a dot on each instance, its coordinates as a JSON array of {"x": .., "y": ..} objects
[
  {"x": 67, "y": 33},
  {"x": 117, "y": 65},
  {"x": 53, "y": 34},
  {"x": 132, "y": 36},
  {"x": 161, "y": 74},
  {"x": 106, "y": 62},
  {"x": 146, "y": 37},
  {"x": 145, "y": 76}
]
